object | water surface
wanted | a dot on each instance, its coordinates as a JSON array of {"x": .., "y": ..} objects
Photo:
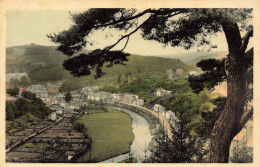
[{"x": 142, "y": 137}]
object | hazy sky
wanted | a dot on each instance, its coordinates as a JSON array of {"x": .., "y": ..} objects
[{"x": 26, "y": 27}]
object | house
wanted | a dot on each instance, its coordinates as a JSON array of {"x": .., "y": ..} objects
[
  {"x": 130, "y": 98},
  {"x": 179, "y": 71},
  {"x": 171, "y": 74},
  {"x": 52, "y": 116},
  {"x": 170, "y": 115},
  {"x": 62, "y": 104},
  {"x": 158, "y": 108},
  {"x": 140, "y": 102},
  {"x": 162, "y": 92},
  {"x": 59, "y": 112}
]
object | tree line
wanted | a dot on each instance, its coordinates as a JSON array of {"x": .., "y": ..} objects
[{"x": 28, "y": 103}]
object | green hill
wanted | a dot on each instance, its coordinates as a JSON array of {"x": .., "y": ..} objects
[{"x": 137, "y": 67}]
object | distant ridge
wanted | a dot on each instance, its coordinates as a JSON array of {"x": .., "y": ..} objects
[
  {"x": 216, "y": 55},
  {"x": 187, "y": 57},
  {"x": 20, "y": 58}
]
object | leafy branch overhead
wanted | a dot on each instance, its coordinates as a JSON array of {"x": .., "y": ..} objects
[
  {"x": 174, "y": 27},
  {"x": 84, "y": 63}
]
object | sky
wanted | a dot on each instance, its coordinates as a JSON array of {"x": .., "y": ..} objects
[{"x": 26, "y": 27}]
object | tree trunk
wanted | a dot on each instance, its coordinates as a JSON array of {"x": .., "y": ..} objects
[{"x": 225, "y": 128}]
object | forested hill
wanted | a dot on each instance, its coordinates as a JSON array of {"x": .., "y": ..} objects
[
  {"x": 25, "y": 56},
  {"x": 154, "y": 66},
  {"x": 137, "y": 67}
]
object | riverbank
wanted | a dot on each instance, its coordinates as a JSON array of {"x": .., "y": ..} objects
[
  {"x": 152, "y": 120},
  {"x": 139, "y": 148}
]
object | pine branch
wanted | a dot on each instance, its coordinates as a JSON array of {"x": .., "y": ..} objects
[
  {"x": 157, "y": 12},
  {"x": 125, "y": 36},
  {"x": 124, "y": 20},
  {"x": 128, "y": 35}
]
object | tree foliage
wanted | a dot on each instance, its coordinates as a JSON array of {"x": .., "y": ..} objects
[
  {"x": 13, "y": 91},
  {"x": 241, "y": 153},
  {"x": 29, "y": 103},
  {"x": 80, "y": 127},
  {"x": 68, "y": 97},
  {"x": 24, "y": 82},
  {"x": 47, "y": 74},
  {"x": 181, "y": 148}
]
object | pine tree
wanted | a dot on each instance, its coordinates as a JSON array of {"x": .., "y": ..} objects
[
  {"x": 181, "y": 148},
  {"x": 68, "y": 97}
]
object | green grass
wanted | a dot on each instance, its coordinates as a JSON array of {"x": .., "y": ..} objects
[
  {"x": 36, "y": 145},
  {"x": 110, "y": 132}
]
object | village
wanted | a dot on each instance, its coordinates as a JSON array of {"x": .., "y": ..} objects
[
  {"x": 63, "y": 142},
  {"x": 80, "y": 98}
]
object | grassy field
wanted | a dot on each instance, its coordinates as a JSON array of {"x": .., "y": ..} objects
[{"x": 110, "y": 131}]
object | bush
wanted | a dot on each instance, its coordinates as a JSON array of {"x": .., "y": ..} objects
[
  {"x": 80, "y": 127},
  {"x": 13, "y": 91}
]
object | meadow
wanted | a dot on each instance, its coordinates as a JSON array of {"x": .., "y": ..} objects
[{"x": 110, "y": 131}]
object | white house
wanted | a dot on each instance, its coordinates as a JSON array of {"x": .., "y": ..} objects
[
  {"x": 179, "y": 71},
  {"x": 59, "y": 112},
  {"x": 158, "y": 108},
  {"x": 52, "y": 116},
  {"x": 140, "y": 102},
  {"x": 163, "y": 92},
  {"x": 62, "y": 104}
]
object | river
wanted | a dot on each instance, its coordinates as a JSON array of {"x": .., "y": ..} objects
[{"x": 142, "y": 137}]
